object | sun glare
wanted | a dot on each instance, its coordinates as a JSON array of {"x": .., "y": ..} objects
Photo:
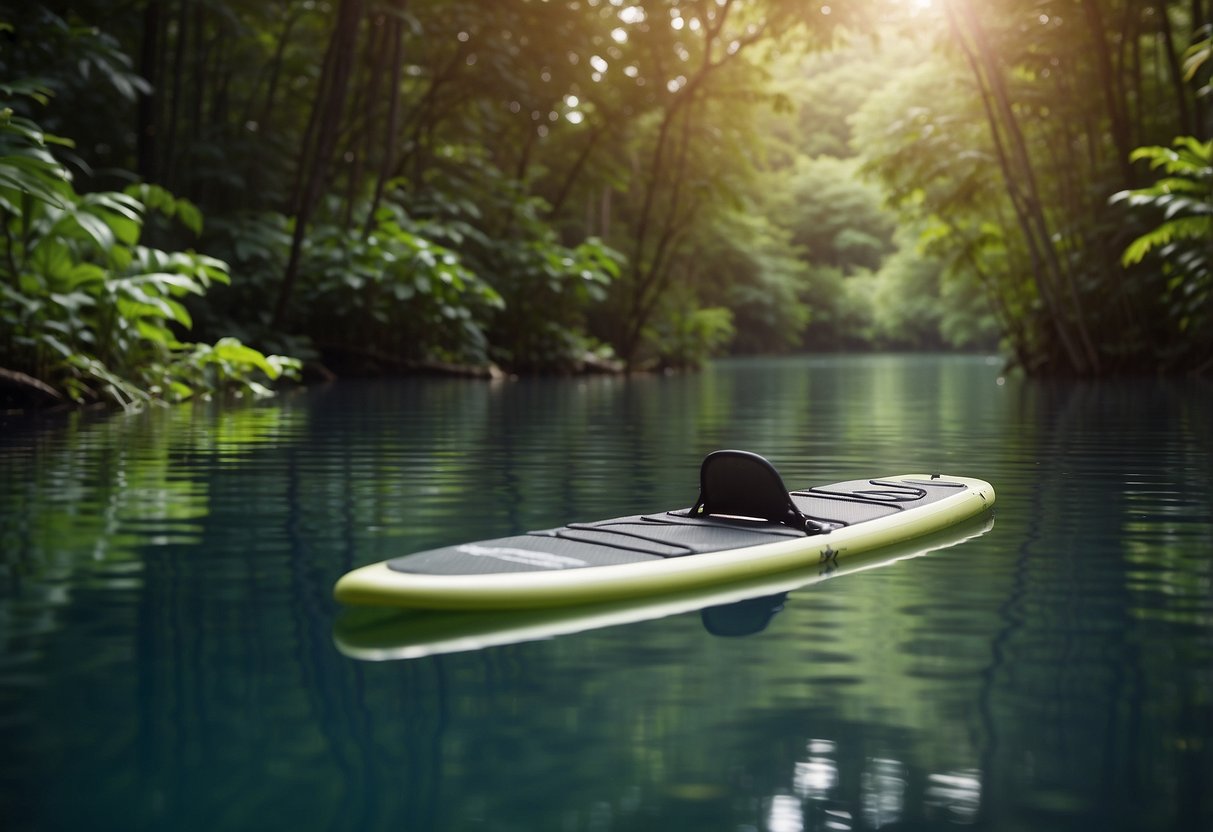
[{"x": 915, "y": 9}]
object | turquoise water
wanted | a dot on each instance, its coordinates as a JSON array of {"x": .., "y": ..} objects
[{"x": 170, "y": 657}]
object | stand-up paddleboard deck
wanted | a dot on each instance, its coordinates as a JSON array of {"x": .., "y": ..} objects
[{"x": 745, "y": 524}]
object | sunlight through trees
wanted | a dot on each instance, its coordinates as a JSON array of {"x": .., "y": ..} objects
[{"x": 554, "y": 185}]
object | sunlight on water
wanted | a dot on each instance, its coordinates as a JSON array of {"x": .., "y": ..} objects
[{"x": 170, "y": 656}]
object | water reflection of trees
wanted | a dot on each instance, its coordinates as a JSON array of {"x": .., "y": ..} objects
[
  {"x": 1103, "y": 660},
  {"x": 1057, "y": 669}
]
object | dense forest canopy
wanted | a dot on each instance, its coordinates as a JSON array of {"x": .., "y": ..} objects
[{"x": 553, "y": 184}]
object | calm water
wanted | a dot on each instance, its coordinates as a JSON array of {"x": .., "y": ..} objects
[{"x": 170, "y": 657}]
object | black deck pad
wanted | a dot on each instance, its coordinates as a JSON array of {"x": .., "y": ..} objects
[{"x": 640, "y": 538}]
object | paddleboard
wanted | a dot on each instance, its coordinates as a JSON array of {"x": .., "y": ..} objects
[
  {"x": 745, "y": 524},
  {"x": 389, "y": 634}
]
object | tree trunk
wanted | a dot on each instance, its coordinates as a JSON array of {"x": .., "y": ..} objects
[
  {"x": 392, "y": 126},
  {"x": 1107, "y": 79},
  {"x": 566, "y": 186},
  {"x": 266, "y": 117},
  {"x": 1012, "y": 182},
  {"x": 149, "y": 65},
  {"x": 366, "y": 102},
  {"x": 1175, "y": 71},
  {"x": 651, "y": 278},
  {"x": 169, "y": 155},
  {"x": 314, "y": 161},
  {"x": 1019, "y": 176},
  {"x": 641, "y": 274},
  {"x": 418, "y": 122}
]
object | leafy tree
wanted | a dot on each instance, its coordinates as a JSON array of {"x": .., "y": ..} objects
[
  {"x": 922, "y": 137},
  {"x": 750, "y": 266},
  {"x": 1059, "y": 194},
  {"x": 695, "y": 146},
  {"x": 1061, "y": 92},
  {"x": 838, "y": 220},
  {"x": 532, "y": 182}
]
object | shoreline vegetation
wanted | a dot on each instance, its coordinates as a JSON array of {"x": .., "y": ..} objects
[{"x": 213, "y": 198}]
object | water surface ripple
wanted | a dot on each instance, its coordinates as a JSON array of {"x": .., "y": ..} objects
[{"x": 169, "y": 647}]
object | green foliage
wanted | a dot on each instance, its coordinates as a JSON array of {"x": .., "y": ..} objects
[
  {"x": 906, "y": 310},
  {"x": 685, "y": 336},
  {"x": 468, "y": 273},
  {"x": 545, "y": 288},
  {"x": 834, "y": 324},
  {"x": 1184, "y": 197},
  {"x": 919, "y": 304},
  {"x": 506, "y": 122},
  {"x": 1003, "y": 150},
  {"x": 87, "y": 308},
  {"x": 227, "y": 364},
  {"x": 967, "y": 318},
  {"x": 549, "y": 288},
  {"x": 524, "y": 182},
  {"x": 826, "y": 88},
  {"x": 1197, "y": 60},
  {"x": 255, "y": 245},
  {"x": 393, "y": 291},
  {"x": 77, "y": 79},
  {"x": 1180, "y": 244},
  {"x": 746, "y": 263},
  {"x": 837, "y": 223},
  {"x": 43, "y": 37},
  {"x": 836, "y": 218}
]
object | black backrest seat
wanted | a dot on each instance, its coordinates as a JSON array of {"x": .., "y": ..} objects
[{"x": 746, "y": 485}]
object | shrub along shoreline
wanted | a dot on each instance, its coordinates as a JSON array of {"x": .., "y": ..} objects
[{"x": 91, "y": 313}]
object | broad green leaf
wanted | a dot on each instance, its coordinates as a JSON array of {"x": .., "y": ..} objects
[
  {"x": 96, "y": 229},
  {"x": 167, "y": 282},
  {"x": 189, "y": 215},
  {"x": 58, "y": 346},
  {"x": 230, "y": 349}
]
